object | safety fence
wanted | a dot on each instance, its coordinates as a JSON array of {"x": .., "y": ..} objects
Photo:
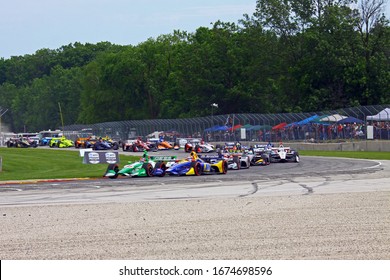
[{"x": 348, "y": 123}]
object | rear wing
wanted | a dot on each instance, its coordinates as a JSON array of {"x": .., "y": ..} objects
[
  {"x": 163, "y": 158},
  {"x": 211, "y": 157},
  {"x": 236, "y": 154},
  {"x": 286, "y": 149}
]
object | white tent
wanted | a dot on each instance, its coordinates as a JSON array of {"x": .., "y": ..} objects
[
  {"x": 333, "y": 118},
  {"x": 383, "y": 115}
]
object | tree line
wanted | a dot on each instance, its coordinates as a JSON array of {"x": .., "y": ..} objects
[{"x": 288, "y": 56}]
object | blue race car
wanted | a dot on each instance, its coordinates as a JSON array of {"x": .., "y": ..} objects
[{"x": 193, "y": 165}]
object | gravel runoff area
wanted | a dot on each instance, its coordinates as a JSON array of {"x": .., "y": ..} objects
[{"x": 328, "y": 226}]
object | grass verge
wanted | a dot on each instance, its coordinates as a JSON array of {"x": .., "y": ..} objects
[
  {"x": 29, "y": 163},
  {"x": 348, "y": 154}
]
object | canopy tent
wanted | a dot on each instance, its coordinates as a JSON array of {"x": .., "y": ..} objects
[
  {"x": 247, "y": 126},
  {"x": 279, "y": 126},
  {"x": 260, "y": 127},
  {"x": 304, "y": 121},
  {"x": 237, "y": 126},
  {"x": 332, "y": 118},
  {"x": 350, "y": 120},
  {"x": 383, "y": 115},
  {"x": 216, "y": 128},
  {"x": 307, "y": 120}
]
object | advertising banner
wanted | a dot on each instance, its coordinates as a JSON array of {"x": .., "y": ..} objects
[{"x": 96, "y": 157}]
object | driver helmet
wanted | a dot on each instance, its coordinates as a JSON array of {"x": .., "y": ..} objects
[{"x": 193, "y": 155}]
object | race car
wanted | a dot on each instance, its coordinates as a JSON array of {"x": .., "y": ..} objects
[
  {"x": 81, "y": 138},
  {"x": 46, "y": 136},
  {"x": 158, "y": 144},
  {"x": 261, "y": 154},
  {"x": 198, "y": 146},
  {"x": 135, "y": 145},
  {"x": 60, "y": 142},
  {"x": 283, "y": 154},
  {"x": 105, "y": 144},
  {"x": 21, "y": 142},
  {"x": 145, "y": 167},
  {"x": 235, "y": 161},
  {"x": 194, "y": 165},
  {"x": 90, "y": 142}
]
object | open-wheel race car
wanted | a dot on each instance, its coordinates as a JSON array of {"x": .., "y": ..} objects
[
  {"x": 238, "y": 160},
  {"x": 159, "y": 144},
  {"x": 21, "y": 142},
  {"x": 198, "y": 146},
  {"x": 60, "y": 142},
  {"x": 284, "y": 154},
  {"x": 235, "y": 161},
  {"x": 260, "y": 154},
  {"x": 135, "y": 145},
  {"x": 101, "y": 143},
  {"x": 145, "y": 167},
  {"x": 194, "y": 165}
]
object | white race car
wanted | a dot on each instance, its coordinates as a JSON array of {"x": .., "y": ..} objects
[
  {"x": 235, "y": 161},
  {"x": 198, "y": 146},
  {"x": 283, "y": 154}
]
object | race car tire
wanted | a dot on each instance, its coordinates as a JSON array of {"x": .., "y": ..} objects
[
  {"x": 224, "y": 167},
  {"x": 114, "y": 167},
  {"x": 162, "y": 166},
  {"x": 115, "y": 146},
  {"x": 237, "y": 161},
  {"x": 296, "y": 158},
  {"x": 148, "y": 168},
  {"x": 197, "y": 168}
]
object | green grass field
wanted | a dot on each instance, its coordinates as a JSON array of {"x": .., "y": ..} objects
[
  {"x": 25, "y": 164},
  {"x": 30, "y": 163},
  {"x": 347, "y": 154}
]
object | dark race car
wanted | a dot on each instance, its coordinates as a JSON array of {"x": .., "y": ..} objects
[
  {"x": 21, "y": 142},
  {"x": 105, "y": 145}
]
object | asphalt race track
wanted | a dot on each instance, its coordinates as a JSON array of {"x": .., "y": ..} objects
[
  {"x": 311, "y": 175},
  {"x": 319, "y": 208}
]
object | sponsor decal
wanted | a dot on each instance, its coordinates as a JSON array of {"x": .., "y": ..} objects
[
  {"x": 111, "y": 158},
  {"x": 100, "y": 157},
  {"x": 93, "y": 158}
]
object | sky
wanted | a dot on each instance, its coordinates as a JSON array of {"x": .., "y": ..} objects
[{"x": 30, "y": 25}]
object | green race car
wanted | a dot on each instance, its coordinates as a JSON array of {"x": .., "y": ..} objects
[{"x": 145, "y": 167}]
